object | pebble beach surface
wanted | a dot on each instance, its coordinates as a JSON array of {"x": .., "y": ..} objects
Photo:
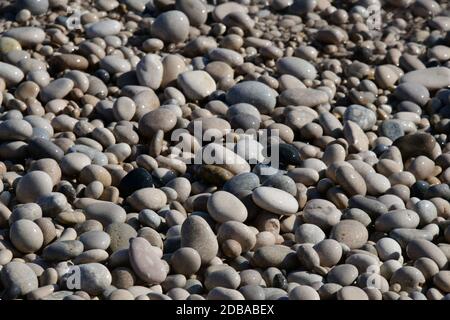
[{"x": 132, "y": 167}]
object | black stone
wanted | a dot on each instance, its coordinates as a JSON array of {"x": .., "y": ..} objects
[
  {"x": 380, "y": 148},
  {"x": 68, "y": 190},
  {"x": 288, "y": 154},
  {"x": 135, "y": 179},
  {"x": 279, "y": 281},
  {"x": 419, "y": 189},
  {"x": 103, "y": 75},
  {"x": 40, "y": 148},
  {"x": 417, "y": 144}
]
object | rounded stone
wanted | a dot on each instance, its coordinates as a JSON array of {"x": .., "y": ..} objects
[
  {"x": 103, "y": 28},
  {"x": 95, "y": 278},
  {"x": 343, "y": 274},
  {"x": 119, "y": 235},
  {"x": 95, "y": 240},
  {"x": 186, "y": 261},
  {"x": 136, "y": 179},
  {"x": 18, "y": 279},
  {"x": 296, "y": 67},
  {"x": 147, "y": 198},
  {"x": 195, "y": 10},
  {"x": 197, "y": 234},
  {"x": 224, "y": 206},
  {"x": 171, "y": 26},
  {"x": 159, "y": 119},
  {"x": 146, "y": 261},
  {"x": 105, "y": 212},
  {"x": 255, "y": 93},
  {"x": 309, "y": 233},
  {"x": 352, "y": 293},
  {"x": 275, "y": 200},
  {"x": 27, "y": 36},
  {"x": 33, "y": 185},
  {"x": 63, "y": 250},
  {"x": 350, "y": 232},
  {"x": 362, "y": 116},
  {"x": 26, "y": 236},
  {"x": 196, "y": 85}
]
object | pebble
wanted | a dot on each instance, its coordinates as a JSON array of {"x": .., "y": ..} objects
[
  {"x": 350, "y": 232},
  {"x": 224, "y": 206},
  {"x": 63, "y": 250},
  {"x": 171, "y": 26},
  {"x": 105, "y": 172},
  {"x": 416, "y": 144},
  {"x": 95, "y": 278},
  {"x": 195, "y": 10},
  {"x": 147, "y": 198},
  {"x": 296, "y": 67},
  {"x": 57, "y": 89},
  {"x": 26, "y": 236},
  {"x": 159, "y": 119},
  {"x": 275, "y": 200},
  {"x": 26, "y": 36},
  {"x": 135, "y": 180},
  {"x": 33, "y": 185},
  {"x": 146, "y": 261},
  {"x": 197, "y": 234},
  {"x": 254, "y": 93},
  {"x": 103, "y": 28},
  {"x": 431, "y": 78},
  {"x": 196, "y": 85},
  {"x": 363, "y": 117},
  {"x": 10, "y": 74},
  {"x": 105, "y": 212},
  {"x": 95, "y": 240},
  {"x": 19, "y": 279},
  {"x": 414, "y": 92},
  {"x": 35, "y": 7},
  {"x": 149, "y": 71},
  {"x": 303, "y": 97},
  {"x": 419, "y": 248}
]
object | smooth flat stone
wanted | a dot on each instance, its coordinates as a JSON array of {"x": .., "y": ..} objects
[
  {"x": 296, "y": 67},
  {"x": 275, "y": 200},
  {"x": 103, "y": 28},
  {"x": 27, "y": 36},
  {"x": 105, "y": 212},
  {"x": 303, "y": 97},
  {"x": 11, "y": 74},
  {"x": 196, "y": 85},
  {"x": 414, "y": 92},
  {"x": 255, "y": 93},
  {"x": 432, "y": 78},
  {"x": 57, "y": 89},
  {"x": 224, "y": 206}
]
